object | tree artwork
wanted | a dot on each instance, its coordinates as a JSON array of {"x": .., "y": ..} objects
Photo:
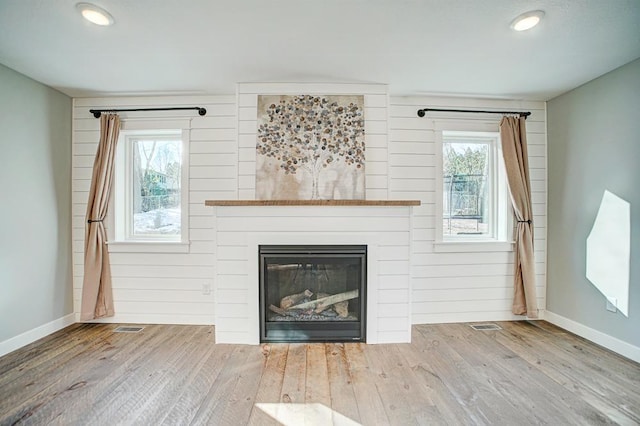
[{"x": 314, "y": 144}]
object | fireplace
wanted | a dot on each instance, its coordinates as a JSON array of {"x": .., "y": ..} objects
[
  {"x": 312, "y": 293},
  {"x": 242, "y": 228}
]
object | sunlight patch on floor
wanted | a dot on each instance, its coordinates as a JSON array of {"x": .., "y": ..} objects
[{"x": 305, "y": 414}]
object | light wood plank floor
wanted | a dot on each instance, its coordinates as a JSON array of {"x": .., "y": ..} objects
[{"x": 526, "y": 373}]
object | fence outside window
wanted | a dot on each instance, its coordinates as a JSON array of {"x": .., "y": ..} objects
[
  {"x": 464, "y": 203},
  {"x": 157, "y": 202}
]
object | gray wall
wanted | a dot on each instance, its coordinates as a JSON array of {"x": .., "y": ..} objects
[
  {"x": 35, "y": 204},
  {"x": 594, "y": 145}
]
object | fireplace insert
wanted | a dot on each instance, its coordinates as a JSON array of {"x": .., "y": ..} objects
[{"x": 312, "y": 293}]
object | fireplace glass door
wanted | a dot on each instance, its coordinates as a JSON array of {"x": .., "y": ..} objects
[{"x": 312, "y": 293}]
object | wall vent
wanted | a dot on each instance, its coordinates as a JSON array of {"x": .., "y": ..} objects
[
  {"x": 123, "y": 329},
  {"x": 485, "y": 327}
]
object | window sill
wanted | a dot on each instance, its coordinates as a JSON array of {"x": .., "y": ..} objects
[
  {"x": 472, "y": 246},
  {"x": 148, "y": 247}
]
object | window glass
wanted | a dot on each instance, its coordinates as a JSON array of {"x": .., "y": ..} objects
[
  {"x": 472, "y": 194},
  {"x": 149, "y": 198},
  {"x": 155, "y": 186},
  {"x": 467, "y": 187}
]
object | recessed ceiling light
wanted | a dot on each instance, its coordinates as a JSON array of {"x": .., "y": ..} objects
[
  {"x": 527, "y": 20},
  {"x": 95, "y": 14}
]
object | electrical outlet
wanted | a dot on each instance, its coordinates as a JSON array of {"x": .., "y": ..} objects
[
  {"x": 206, "y": 289},
  {"x": 611, "y": 304}
]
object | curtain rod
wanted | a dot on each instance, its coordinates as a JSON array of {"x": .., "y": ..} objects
[
  {"x": 525, "y": 114},
  {"x": 97, "y": 112}
]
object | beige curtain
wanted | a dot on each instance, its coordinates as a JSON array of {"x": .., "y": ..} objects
[
  {"x": 514, "y": 151},
  {"x": 97, "y": 297}
]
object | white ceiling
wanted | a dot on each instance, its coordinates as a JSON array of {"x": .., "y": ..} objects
[{"x": 449, "y": 47}]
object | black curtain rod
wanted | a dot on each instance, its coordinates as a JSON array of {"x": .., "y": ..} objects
[
  {"x": 422, "y": 112},
  {"x": 97, "y": 112}
]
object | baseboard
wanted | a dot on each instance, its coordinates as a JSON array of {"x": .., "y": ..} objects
[
  {"x": 176, "y": 319},
  {"x": 616, "y": 345},
  {"x": 31, "y": 336},
  {"x": 447, "y": 318}
]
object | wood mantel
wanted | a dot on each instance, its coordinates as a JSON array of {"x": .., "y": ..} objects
[{"x": 257, "y": 203}]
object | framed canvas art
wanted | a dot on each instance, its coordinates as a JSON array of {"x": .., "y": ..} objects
[{"x": 310, "y": 147}]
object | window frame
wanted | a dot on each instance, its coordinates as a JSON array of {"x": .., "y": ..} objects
[
  {"x": 120, "y": 215},
  {"x": 501, "y": 210}
]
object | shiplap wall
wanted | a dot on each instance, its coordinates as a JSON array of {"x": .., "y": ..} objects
[
  {"x": 389, "y": 319},
  {"x": 162, "y": 287},
  {"x": 384, "y": 230},
  {"x": 454, "y": 287},
  {"x": 400, "y": 164}
]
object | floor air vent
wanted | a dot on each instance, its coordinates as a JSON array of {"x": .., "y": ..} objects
[
  {"x": 485, "y": 327},
  {"x": 123, "y": 329}
]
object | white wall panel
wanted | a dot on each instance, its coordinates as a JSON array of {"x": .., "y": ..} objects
[
  {"x": 400, "y": 164},
  {"x": 464, "y": 286},
  {"x": 162, "y": 287},
  {"x": 385, "y": 230}
]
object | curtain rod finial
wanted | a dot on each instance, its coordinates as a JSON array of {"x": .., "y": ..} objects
[
  {"x": 202, "y": 111},
  {"x": 96, "y": 113},
  {"x": 421, "y": 113}
]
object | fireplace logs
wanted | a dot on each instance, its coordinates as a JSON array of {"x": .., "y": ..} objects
[
  {"x": 323, "y": 303},
  {"x": 294, "y": 299},
  {"x": 298, "y": 307}
]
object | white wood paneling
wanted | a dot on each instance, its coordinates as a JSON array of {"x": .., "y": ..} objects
[
  {"x": 463, "y": 286},
  {"x": 385, "y": 231},
  {"x": 400, "y": 164},
  {"x": 162, "y": 287}
]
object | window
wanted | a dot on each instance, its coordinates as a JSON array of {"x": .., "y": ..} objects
[
  {"x": 149, "y": 203},
  {"x": 472, "y": 193}
]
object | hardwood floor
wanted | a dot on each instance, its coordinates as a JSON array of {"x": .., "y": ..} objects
[{"x": 526, "y": 373}]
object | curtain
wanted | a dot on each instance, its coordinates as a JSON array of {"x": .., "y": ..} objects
[
  {"x": 97, "y": 297},
  {"x": 514, "y": 151}
]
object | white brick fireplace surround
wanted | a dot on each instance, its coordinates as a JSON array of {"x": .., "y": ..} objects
[{"x": 384, "y": 228}]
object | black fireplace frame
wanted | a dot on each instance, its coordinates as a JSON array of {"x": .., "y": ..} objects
[{"x": 313, "y": 331}]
